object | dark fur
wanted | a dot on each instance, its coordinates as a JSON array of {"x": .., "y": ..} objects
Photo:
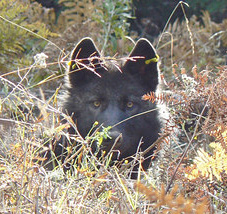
[{"x": 115, "y": 91}]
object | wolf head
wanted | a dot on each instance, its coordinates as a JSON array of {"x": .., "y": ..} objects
[{"x": 112, "y": 95}]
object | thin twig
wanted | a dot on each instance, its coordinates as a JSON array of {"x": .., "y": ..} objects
[{"x": 35, "y": 34}]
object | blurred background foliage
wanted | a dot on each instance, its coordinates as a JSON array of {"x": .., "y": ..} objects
[
  {"x": 17, "y": 46},
  {"x": 113, "y": 25}
]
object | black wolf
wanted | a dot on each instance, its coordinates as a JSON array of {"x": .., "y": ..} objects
[{"x": 111, "y": 94}]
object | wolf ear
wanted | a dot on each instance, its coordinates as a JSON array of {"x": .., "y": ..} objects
[
  {"x": 85, "y": 63},
  {"x": 144, "y": 64}
]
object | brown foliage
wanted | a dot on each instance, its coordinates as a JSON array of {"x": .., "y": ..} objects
[{"x": 171, "y": 203}]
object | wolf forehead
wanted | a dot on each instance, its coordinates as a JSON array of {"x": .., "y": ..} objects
[{"x": 86, "y": 65}]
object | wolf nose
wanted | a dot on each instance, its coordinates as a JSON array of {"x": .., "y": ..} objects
[{"x": 116, "y": 138}]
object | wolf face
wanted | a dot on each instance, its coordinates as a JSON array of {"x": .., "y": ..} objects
[{"x": 112, "y": 95}]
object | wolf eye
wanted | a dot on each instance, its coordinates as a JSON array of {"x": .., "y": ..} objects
[
  {"x": 130, "y": 104},
  {"x": 97, "y": 103}
]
